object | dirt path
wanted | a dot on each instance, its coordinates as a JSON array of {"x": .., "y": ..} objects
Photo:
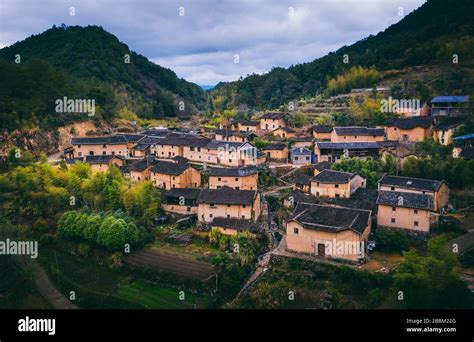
[{"x": 45, "y": 287}]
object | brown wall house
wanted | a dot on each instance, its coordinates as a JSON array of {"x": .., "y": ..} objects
[
  {"x": 357, "y": 133},
  {"x": 232, "y": 226},
  {"x": 272, "y": 121},
  {"x": 241, "y": 178},
  {"x": 248, "y": 126},
  {"x": 284, "y": 132},
  {"x": 333, "y": 184},
  {"x": 228, "y": 203},
  {"x": 168, "y": 175},
  {"x": 322, "y": 132},
  {"x": 276, "y": 152},
  {"x": 413, "y": 129},
  {"x": 181, "y": 201},
  {"x": 94, "y": 146},
  {"x": 329, "y": 231},
  {"x": 101, "y": 163}
]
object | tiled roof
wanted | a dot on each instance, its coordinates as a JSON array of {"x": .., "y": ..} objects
[
  {"x": 286, "y": 129},
  {"x": 234, "y": 223},
  {"x": 406, "y": 200},
  {"x": 331, "y": 218},
  {"x": 170, "y": 168},
  {"x": 357, "y": 130},
  {"x": 450, "y": 99},
  {"x": 410, "y": 123},
  {"x": 247, "y": 123},
  {"x": 303, "y": 179},
  {"x": 323, "y": 165},
  {"x": 279, "y": 147},
  {"x": 179, "y": 139},
  {"x": 173, "y": 196},
  {"x": 132, "y": 137},
  {"x": 273, "y": 115},
  {"x": 99, "y": 159},
  {"x": 159, "y": 133},
  {"x": 347, "y": 145},
  {"x": 227, "y": 195},
  {"x": 322, "y": 129},
  {"x": 232, "y": 172},
  {"x": 449, "y": 122},
  {"x": 410, "y": 183},
  {"x": 217, "y": 144},
  {"x": 333, "y": 177},
  {"x": 300, "y": 151},
  {"x": 105, "y": 140},
  {"x": 142, "y": 165}
]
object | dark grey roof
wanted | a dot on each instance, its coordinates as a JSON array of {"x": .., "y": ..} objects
[
  {"x": 362, "y": 198},
  {"x": 302, "y": 139},
  {"x": 333, "y": 177},
  {"x": 301, "y": 151},
  {"x": 99, "y": 159},
  {"x": 410, "y": 123},
  {"x": 300, "y": 196},
  {"x": 347, "y": 145},
  {"x": 216, "y": 144},
  {"x": 322, "y": 129},
  {"x": 303, "y": 179},
  {"x": 170, "y": 168},
  {"x": 410, "y": 183},
  {"x": 173, "y": 196},
  {"x": 286, "y": 129},
  {"x": 159, "y": 133},
  {"x": 358, "y": 130},
  {"x": 179, "y": 139},
  {"x": 226, "y": 195},
  {"x": 331, "y": 218},
  {"x": 233, "y": 172},
  {"x": 247, "y": 122},
  {"x": 234, "y": 223},
  {"x": 324, "y": 165},
  {"x": 141, "y": 165},
  {"x": 278, "y": 147},
  {"x": 107, "y": 140},
  {"x": 449, "y": 122},
  {"x": 273, "y": 115},
  {"x": 406, "y": 200},
  {"x": 467, "y": 153},
  {"x": 132, "y": 137},
  {"x": 180, "y": 159}
]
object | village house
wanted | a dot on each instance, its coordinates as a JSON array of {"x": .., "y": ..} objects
[
  {"x": 230, "y": 154},
  {"x": 227, "y": 135},
  {"x": 181, "y": 201},
  {"x": 247, "y": 126},
  {"x": 357, "y": 134},
  {"x": 245, "y": 178},
  {"x": 318, "y": 167},
  {"x": 329, "y": 231},
  {"x": 443, "y": 132},
  {"x": 168, "y": 175},
  {"x": 174, "y": 145},
  {"x": 271, "y": 121},
  {"x": 302, "y": 182},
  {"x": 413, "y": 129},
  {"x": 232, "y": 226},
  {"x": 437, "y": 189},
  {"x": 284, "y": 132},
  {"x": 446, "y": 106},
  {"x": 100, "y": 163},
  {"x": 301, "y": 142},
  {"x": 140, "y": 170},
  {"x": 301, "y": 156},
  {"x": 228, "y": 203},
  {"x": 322, "y": 132},
  {"x": 335, "y": 184},
  {"x": 94, "y": 146},
  {"x": 334, "y": 151},
  {"x": 276, "y": 152}
]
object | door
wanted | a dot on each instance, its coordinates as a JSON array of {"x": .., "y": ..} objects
[{"x": 321, "y": 249}]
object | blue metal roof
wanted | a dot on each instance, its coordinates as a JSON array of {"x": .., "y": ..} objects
[
  {"x": 463, "y": 137},
  {"x": 450, "y": 99}
]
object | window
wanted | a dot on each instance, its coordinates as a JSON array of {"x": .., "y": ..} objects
[
  {"x": 210, "y": 215},
  {"x": 337, "y": 195},
  {"x": 236, "y": 179},
  {"x": 392, "y": 220},
  {"x": 104, "y": 146},
  {"x": 212, "y": 204},
  {"x": 199, "y": 150},
  {"x": 91, "y": 153},
  {"x": 415, "y": 211},
  {"x": 244, "y": 206},
  {"x": 317, "y": 183},
  {"x": 228, "y": 205},
  {"x": 79, "y": 154},
  {"x": 415, "y": 223},
  {"x": 296, "y": 231},
  {"x": 174, "y": 178},
  {"x": 317, "y": 194},
  {"x": 191, "y": 148},
  {"x": 243, "y": 217},
  {"x": 104, "y": 153},
  {"x": 228, "y": 216},
  {"x": 307, "y": 158},
  {"x": 188, "y": 209},
  {"x": 336, "y": 185},
  {"x": 394, "y": 209},
  {"x": 219, "y": 179},
  {"x": 237, "y": 188},
  {"x": 392, "y": 188},
  {"x": 78, "y": 146}
]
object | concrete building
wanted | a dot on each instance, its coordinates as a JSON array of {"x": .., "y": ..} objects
[{"x": 301, "y": 156}]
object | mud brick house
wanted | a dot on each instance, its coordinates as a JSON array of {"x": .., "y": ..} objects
[
  {"x": 357, "y": 134},
  {"x": 231, "y": 154},
  {"x": 100, "y": 163},
  {"x": 303, "y": 183},
  {"x": 322, "y": 132},
  {"x": 410, "y": 203},
  {"x": 306, "y": 142},
  {"x": 271, "y": 121},
  {"x": 174, "y": 145},
  {"x": 247, "y": 126},
  {"x": 412, "y": 129},
  {"x": 181, "y": 201},
  {"x": 443, "y": 132},
  {"x": 227, "y": 135},
  {"x": 168, "y": 175},
  {"x": 94, "y": 146},
  {"x": 318, "y": 167},
  {"x": 329, "y": 231},
  {"x": 140, "y": 170},
  {"x": 284, "y": 132},
  {"x": 335, "y": 184},
  {"x": 228, "y": 203},
  {"x": 334, "y": 151},
  {"x": 245, "y": 178},
  {"x": 232, "y": 226},
  {"x": 276, "y": 152}
]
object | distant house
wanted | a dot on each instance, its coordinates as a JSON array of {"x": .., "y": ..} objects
[
  {"x": 413, "y": 129},
  {"x": 95, "y": 146},
  {"x": 322, "y": 132},
  {"x": 318, "y": 167},
  {"x": 100, "y": 163},
  {"x": 182, "y": 201},
  {"x": 450, "y": 106},
  {"x": 334, "y": 151},
  {"x": 168, "y": 175},
  {"x": 276, "y": 152},
  {"x": 232, "y": 226},
  {"x": 245, "y": 178},
  {"x": 443, "y": 132},
  {"x": 284, "y": 132},
  {"x": 301, "y": 156},
  {"x": 233, "y": 136},
  {"x": 301, "y": 142},
  {"x": 357, "y": 134},
  {"x": 228, "y": 203},
  {"x": 335, "y": 184},
  {"x": 272, "y": 120},
  {"x": 247, "y": 126},
  {"x": 329, "y": 231},
  {"x": 140, "y": 170},
  {"x": 303, "y": 183}
]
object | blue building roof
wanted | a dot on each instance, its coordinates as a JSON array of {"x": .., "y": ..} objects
[
  {"x": 300, "y": 150},
  {"x": 463, "y": 137},
  {"x": 450, "y": 99}
]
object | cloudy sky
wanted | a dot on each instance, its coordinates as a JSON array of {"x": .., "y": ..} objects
[{"x": 201, "y": 40}]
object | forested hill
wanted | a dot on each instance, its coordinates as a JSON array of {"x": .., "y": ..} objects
[
  {"x": 87, "y": 61},
  {"x": 430, "y": 34}
]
